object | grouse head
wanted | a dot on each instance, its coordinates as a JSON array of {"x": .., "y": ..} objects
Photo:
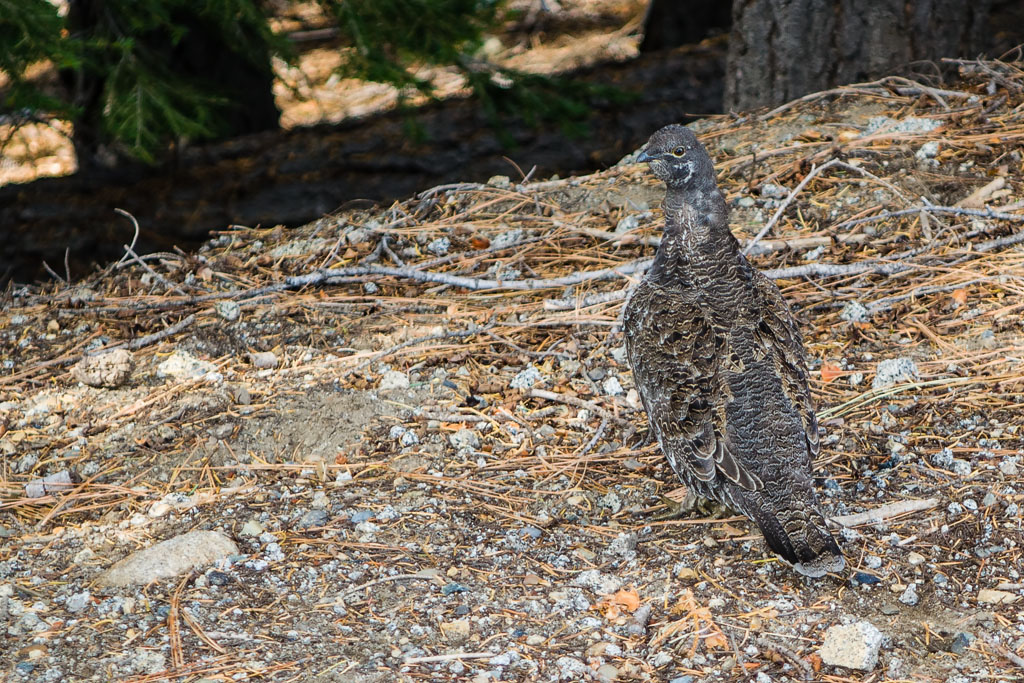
[{"x": 677, "y": 157}]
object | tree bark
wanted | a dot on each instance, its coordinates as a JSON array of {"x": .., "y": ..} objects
[{"x": 782, "y": 49}]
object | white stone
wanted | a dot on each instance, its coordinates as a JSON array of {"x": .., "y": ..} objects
[
  {"x": 393, "y": 379},
  {"x": 853, "y": 646},
  {"x": 229, "y": 310},
  {"x": 854, "y": 312},
  {"x": 183, "y": 365},
  {"x": 110, "y": 369},
  {"x": 894, "y": 370},
  {"x": 928, "y": 150},
  {"x": 526, "y": 378},
  {"x": 465, "y": 438},
  {"x": 612, "y": 386}
]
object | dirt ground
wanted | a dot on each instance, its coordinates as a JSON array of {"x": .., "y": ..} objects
[{"x": 418, "y": 427}]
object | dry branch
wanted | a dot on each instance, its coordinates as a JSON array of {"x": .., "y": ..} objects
[{"x": 886, "y": 512}]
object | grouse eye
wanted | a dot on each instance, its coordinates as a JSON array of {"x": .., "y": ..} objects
[{"x": 678, "y": 152}]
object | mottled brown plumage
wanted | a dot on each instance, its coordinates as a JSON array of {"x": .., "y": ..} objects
[{"x": 720, "y": 365}]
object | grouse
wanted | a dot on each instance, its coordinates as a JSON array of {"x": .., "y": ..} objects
[{"x": 720, "y": 365}]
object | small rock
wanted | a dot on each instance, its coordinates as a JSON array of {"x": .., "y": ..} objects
[
  {"x": 961, "y": 468},
  {"x": 909, "y": 596},
  {"x": 661, "y": 659},
  {"x": 854, "y": 312},
  {"x": 229, "y": 310},
  {"x": 612, "y": 386},
  {"x": 502, "y": 182},
  {"x": 570, "y": 669},
  {"x": 314, "y": 517},
  {"x": 1008, "y": 466},
  {"x": 623, "y": 545},
  {"x": 596, "y": 582},
  {"x": 915, "y": 559},
  {"x": 51, "y": 484},
  {"x": 360, "y": 516},
  {"x": 393, "y": 379},
  {"x": 159, "y": 509},
  {"x": 109, "y": 370},
  {"x": 507, "y": 239},
  {"x": 927, "y": 151},
  {"x": 263, "y": 359},
  {"x": 251, "y": 528},
  {"x": 78, "y": 602},
  {"x": 504, "y": 659},
  {"x": 815, "y": 254},
  {"x": 855, "y": 379},
  {"x": 959, "y": 643},
  {"x": 465, "y": 438},
  {"x": 866, "y": 579},
  {"x": 183, "y": 365},
  {"x": 988, "y": 596},
  {"x": 455, "y": 631},
  {"x": 745, "y": 202},
  {"x": 943, "y": 458},
  {"x": 773, "y": 191},
  {"x": 893, "y": 370},
  {"x": 853, "y": 646},
  {"x": 606, "y": 673},
  {"x": 526, "y": 378},
  {"x": 627, "y": 223},
  {"x": 440, "y": 246},
  {"x": 535, "y": 640},
  {"x": 169, "y": 558}
]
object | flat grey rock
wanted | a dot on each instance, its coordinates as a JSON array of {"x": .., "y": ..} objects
[
  {"x": 169, "y": 558},
  {"x": 853, "y": 646}
]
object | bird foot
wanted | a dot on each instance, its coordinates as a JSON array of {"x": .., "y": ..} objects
[
  {"x": 691, "y": 504},
  {"x": 641, "y": 440}
]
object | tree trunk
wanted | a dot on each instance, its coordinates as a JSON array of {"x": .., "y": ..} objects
[{"x": 782, "y": 49}]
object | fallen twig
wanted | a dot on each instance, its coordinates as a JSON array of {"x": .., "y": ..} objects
[
  {"x": 885, "y": 512},
  {"x": 447, "y": 658},
  {"x": 580, "y": 403}
]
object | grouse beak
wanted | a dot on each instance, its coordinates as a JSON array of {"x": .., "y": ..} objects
[{"x": 643, "y": 156}]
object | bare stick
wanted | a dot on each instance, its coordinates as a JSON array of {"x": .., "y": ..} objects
[
  {"x": 49, "y": 270},
  {"x": 580, "y": 403},
  {"x": 1005, "y": 652},
  {"x": 788, "y": 654},
  {"x": 471, "y": 283},
  {"x": 570, "y": 304},
  {"x": 815, "y": 171},
  {"x": 462, "y": 334},
  {"x": 786, "y": 202},
  {"x": 129, "y": 251},
  {"x": 135, "y": 238},
  {"x": 594, "y": 439},
  {"x": 885, "y": 512},
  {"x": 955, "y": 210},
  {"x": 422, "y": 576},
  {"x": 447, "y": 658},
  {"x": 149, "y": 339}
]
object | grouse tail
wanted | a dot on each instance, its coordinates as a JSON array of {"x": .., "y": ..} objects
[{"x": 799, "y": 536}]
